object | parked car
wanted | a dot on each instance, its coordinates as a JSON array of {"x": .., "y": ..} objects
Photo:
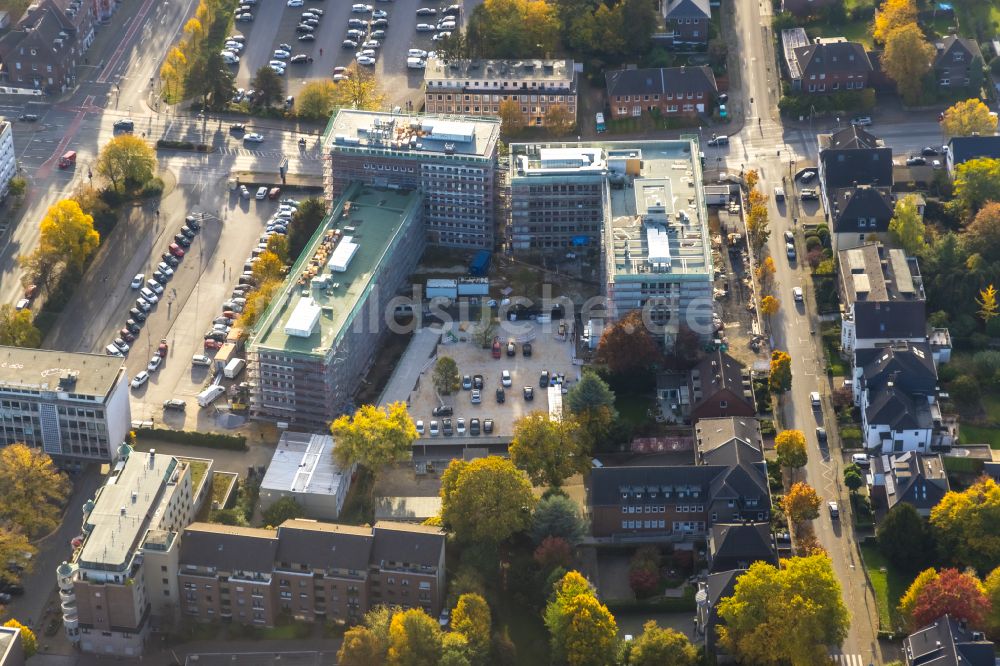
[
  {"x": 487, "y": 426},
  {"x": 446, "y": 428},
  {"x": 443, "y": 410},
  {"x": 140, "y": 379},
  {"x": 420, "y": 427},
  {"x": 861, "y": 121},
  {"x": 460, "y": 426},
  {"x": 861, "y": 460},
  {"x": 916, "y": 161},
  {"x": 543, "y": 379},
  {"x": 137, "y": 281},
  {"x": 434, "y": 430},
  {"x": 529, "y": 393},
  {"x": 467, "y": 382},
  {"x": 477, "y": 396},
  {"x": 175, "y": 403},
  {"x": 501, "y": 395},
  {"x": 477, "y": 381},
  {"x": 505, "y": 377},
  {"x": 526, "y": 350}
]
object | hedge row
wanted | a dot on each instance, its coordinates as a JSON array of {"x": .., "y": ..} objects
[
  {"x": 183, "y": 145},
  {"x": 209, "y": 439}
]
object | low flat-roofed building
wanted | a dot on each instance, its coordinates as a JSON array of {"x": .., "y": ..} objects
[
  {"x": 11, "y": 649},
  {"x": 479, "y": 87},
  {"x": 129, "y": 551},
  {"x": 303, "y": 469},
  {"x": 451, "y": 160},
  {"x": 73, "y": 406},
  {"x": 313, "y": 344}
]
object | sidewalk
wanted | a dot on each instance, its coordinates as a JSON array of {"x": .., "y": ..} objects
[{"x": 257, "y": 652}]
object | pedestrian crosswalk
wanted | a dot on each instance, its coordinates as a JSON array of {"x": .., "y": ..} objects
[
  {"x": 848, "y": 660},
  {"x": 268, "y": 154}
]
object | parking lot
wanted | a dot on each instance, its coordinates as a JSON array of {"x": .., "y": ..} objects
[
  {"x": 548, "y": 353},
  {"x": 275, "y": 23}
]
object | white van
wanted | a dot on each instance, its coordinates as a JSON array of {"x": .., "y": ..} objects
[
  {"x": 416, "y": 63},
  {"x": 210, "y": 395},
  {"x": 234, "y": 368}
]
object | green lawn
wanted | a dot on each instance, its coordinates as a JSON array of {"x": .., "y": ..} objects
[
  {"x": 970, "y": 434},
  {"x": 888, "y": 584},
  {"x": 633, "y": 408},
  {"x": 198, "y": 469}
]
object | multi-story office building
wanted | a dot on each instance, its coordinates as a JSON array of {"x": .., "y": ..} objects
[
  {"x": 313, "y": 344},
  {"x": 74, "y": 406},
  {"x": 641, "y": 202},
  {"x": 309, "y": 570},
  {"x": 123, "y": 577},
  {"x": 451, "y": 160},
  {"x": 479, "y": 87},
  {"x": 8, "y": 160}
]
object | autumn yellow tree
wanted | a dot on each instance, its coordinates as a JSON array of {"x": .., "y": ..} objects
[
  {"x": 67, "y": 240},
  {"x": 801, "y": 503},
  {"x": 907, "y": 59},
  {"x": 765, "y": 274},
  {"x": 769, "y": 305},
  {"x": 127, "y": 161},
  {"x": 780, "y": 378},
  {"x": 511, "y": 117},
  {"x": 987, "y": 303},
  {"x": 967, "y": 118},
  {"x": 751, "y": 179},
  {"x": 374, "y": 437},
  {"x": 891, "y": 15},
  {"x": 360, "y": 90},
  {"x": 268, "y": 267},
  {"x": 28, "y": 641},
  {"x": 17, "y": 328},
  {"x": 559, "y": 119},
  {"x": 195, "y": 31},
  {"x": 790, "y": 446},
  {"x": 32, "y": 489},
  {"x": 316, "y": 99},
  {"x": 173, "y": 71}
]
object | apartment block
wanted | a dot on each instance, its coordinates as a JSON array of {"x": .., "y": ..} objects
[
  {"x": 311, "y": 347},
  {"x": 641, "y": 203},
  {"x": 8, "y": 160},
  {"x": 309, "y": 571},
  {"x": 450, "y": 160},
  {"x": 479, "y": 87},
  {"x": 74, "y": 406},
  {"x": 122, "y": 580}
]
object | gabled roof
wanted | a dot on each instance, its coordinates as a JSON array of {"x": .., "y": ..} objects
[
  {"x": 324, "y": 545},
  {"x": 857, "y": 166},
  {"x": 718, "y": 371},
  {"x": 851, "y": 204},
  {"x": 689, "y": 9},
  {"x": 737, "y": 546},
  {"x": 832, "y": 58},
  {"x": 948, "y": 643},
  {"x": 406, "y": 543},
  {"x": 714, "y": 435},
  {"x": 891, "y": 407},
  {"x": 38, "y": 29},
  {"x": 965, "y": 148},
  {"x": 608, "y": 483},
  {"x": 913, "y": 478},
  {"x": 658, "y": 81},
  {"x": 908, "y": 366},
  {"x": 852, "y": 137},
  {"x": 229, "y": 548},
  {"x": 953, "y": 44}
]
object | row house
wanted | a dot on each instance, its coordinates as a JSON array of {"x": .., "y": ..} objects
[
  {"x": 307, "y": 570},
  {"x": 686, "y": 21},
  {"x": 670, "y": 91},
  {"x": 827, "y": 65},
  {"x": 958, "y": 62},
  {"x": 480, "y": 87},
  {"x": 727, "y": 484},
  {"x": 44, "y": 48}
]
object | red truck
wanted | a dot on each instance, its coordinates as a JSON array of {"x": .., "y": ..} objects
[
  {"x": 496, "y": 347},
  {"x": 67, "y": 160}
]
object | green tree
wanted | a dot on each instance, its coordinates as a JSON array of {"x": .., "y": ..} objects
[
  {"x": 513, "y": 29},
  {"x": 360, "y": 648},
  {"x": 127, "y": 161},
  {"x": 315, "y": 100},
  {"x": 907, "y": 225},
  {"x": 582, "y": 630},
  {"x": 904, "y": 538},
  {"x": 17, "y": 328},
  {"x": 780, "y": 379},
  {"x": 550, "y": 451},
  {"x": 305, "y": 222},
  {"x": 28, "y": 641},
  {"x": 414, "y": 639},
  {"x": 17, "y": 186},
  {"x": 452, "y": 48},
  {"x": 790, "y": 614},
  {"x": 33, "y": 490},
  {"x": 14, "y": 547},
  {"x": 790, "y": 445},
  {"x": 472, "y": 619},
  {"x": 219, "y": 81},
  {"x": 277, "y": 245},
  {"x": 907, "y": 59},
  {"x": 359, "y": 91},
  {"x": 445, "y": 377},
  {"x": 558, "y": 516},
  {"x": 269, "y": 86},
  {"x": 454, "y": 650},
  {"x": 378, "y": 620},
  {"x": 991, "y": 586},
  {"x": 485, "y": 500},
  {"x": 967, "y": 118},
  {"x": 374, "y": 437},
  {"x": 962, "y": 525},
  {"x": 592, "y": 403},
  {"x": 853, "y": 479},
  {"x": 977, "y": 182},
  {"x": 284, "y": 509},
  {"x": 657, "y": 646},
  {"x": 512, "y": 118}
]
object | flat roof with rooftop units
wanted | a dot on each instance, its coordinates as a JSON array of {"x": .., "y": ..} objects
[
  {"x": 23, "y": 369},
  {"x": 336, "y": 271},
  {"x": 500, "y": 74},
  {"x": 412, "y": 135}
]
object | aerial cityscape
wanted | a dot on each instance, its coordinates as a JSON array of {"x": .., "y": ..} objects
[{"x": 475, "y": 285}]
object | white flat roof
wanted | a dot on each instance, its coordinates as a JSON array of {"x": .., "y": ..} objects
[
  {"x": 303, "y": 319},
  {"x": 303, "y": 463}
]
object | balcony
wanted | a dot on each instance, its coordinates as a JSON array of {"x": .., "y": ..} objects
[
  {"x": 72, "y": 626},
  {"x": 69, "y": 610},
  {"x": 67, "y": 596}
]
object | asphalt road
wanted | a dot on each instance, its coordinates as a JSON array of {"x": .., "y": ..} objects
[{"x": 764, "y": 144}]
